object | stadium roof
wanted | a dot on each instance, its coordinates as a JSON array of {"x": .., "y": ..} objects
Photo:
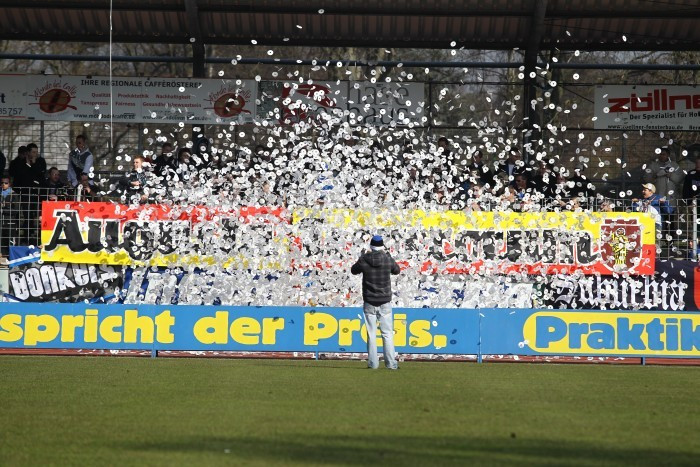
[{"x": 474, "y": 24}]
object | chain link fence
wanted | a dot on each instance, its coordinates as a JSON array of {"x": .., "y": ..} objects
[{"x": 676, "y": 224}]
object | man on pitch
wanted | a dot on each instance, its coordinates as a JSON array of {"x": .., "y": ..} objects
[{"x": 376, "y": 267}]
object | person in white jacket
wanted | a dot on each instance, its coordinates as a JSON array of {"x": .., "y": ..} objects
[
  {"x": 665, "y": 174},
  {"x": 80, "y": 160}
]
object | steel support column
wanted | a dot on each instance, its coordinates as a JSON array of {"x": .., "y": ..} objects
[
  {"x": 196, "y": 41},
  {"x": 530, "y": 91}
]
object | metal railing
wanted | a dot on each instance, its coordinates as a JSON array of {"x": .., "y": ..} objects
[{"x": 20, "y": 215}]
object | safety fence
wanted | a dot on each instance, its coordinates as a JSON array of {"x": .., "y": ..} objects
[
  {"x": 528, "y": 332},
  {"x": 20, "y": 213},
  {"x": 676, "y": 220}
]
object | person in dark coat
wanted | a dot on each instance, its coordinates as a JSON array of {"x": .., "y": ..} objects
[
  {"x": 376, "y": 267},
  {"x": 166, "y": 162},
  {"x": 25, "y": 173},
  {"x": 480, "y": 170},
  {"x": 36, "y": 161},
  {"x": 55, "y": 188},
  {"x": 691, "y": 184}
]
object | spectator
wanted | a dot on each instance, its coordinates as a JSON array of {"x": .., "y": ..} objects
[
  {"x": 166, "y": 161},
  {"x": 477, "y": 200},
  {"x": 200, "y": 158},
  {"x": 513, "y": 166},
  {"x": 24, "y": 173},
  {"x": 665, "y": 174},
  {"x": 507, "y": 201},
  {"x": 443, "y": 149},
  {"x": 184, "y": 156},
  {"x": 561, "y": 190},
  {"x": 6, "y": 187},
  {"x": 376, "y": 267},
  {"x": 3, "y": 162},
  {"x": 133, "y": 184},
  {"x": 54, "y": 184},
  {"x": 53, "y": 180},
  {"x": 443, "y": 143},
  {"x": 579, "y": 185},
  {"x": 259, "y": 158},
  {"x": 650, "y": 199},
  {"x": 691, "y": 184},
  {"x": 8, "y": 222},
  {"x": 89, "y": 191},
  {"x": 526, "y": 197},
  {"x": 37, "y": 160},
  {"x": 544, "y": 181},
  {"x": 447, "y": 166},
  {"x": 79, "y": 160},
  {"x": 652, "y": 204},
  {"x": 520, "y": 185},
  {"x": 480, "y": 170},
  {"x": 606, "y": 205},
  {"x": 184, "y": 167}
]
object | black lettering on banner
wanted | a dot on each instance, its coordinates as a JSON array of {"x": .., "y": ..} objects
[
  {"x": 138, "y": 240},
  {"x": 584, "y": 248},
  {"x": 565, "y": 247},
  {"x": 111, "y": 234},
  {"x": 474, "y": 245},
  {"x": 63, "y": 281},
  {"x": 18, "y": 283},
  {"x": 229, "y": 227},
  {"x": 466, "y": 246},
  {"x": 549, "y": 250},
  {"x": 171, "y": 236},
  {"x": 94, "y": 238},
  {"x": 205, "y": 235},
  {"x": 523, "y": 244},
  {"x": 81, "y": 275},
  {"x": 436, "y": 244},
  {"x": 34, "y": 285},
  {"x": 103, "y": 234},
  {"x": 492, "y": 244},
  {"x": 107, "y": 273},
  {"x": 48, "y": 277},
  {"x": 66, "y": 231}
]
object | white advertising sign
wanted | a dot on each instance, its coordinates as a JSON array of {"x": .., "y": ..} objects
[
  {"x": 13, "y": 102},
  {"x": 77, "y": 98},
  {"x": 658, "y": 107},
  {"x": 386, "y": 103},
  {"x": 211, "y": 101},
  {"x": 290, "y": 102}
]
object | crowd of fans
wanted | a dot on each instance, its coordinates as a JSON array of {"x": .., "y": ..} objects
[{"x": 352, "y": 171}]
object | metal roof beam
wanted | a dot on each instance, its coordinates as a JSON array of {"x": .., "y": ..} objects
[
  {"x": 673, "y": 10},
  {"x": 591, "y": 46},
  {"x": 94, "y": 5},
  {"x": 322, "y": 62}
]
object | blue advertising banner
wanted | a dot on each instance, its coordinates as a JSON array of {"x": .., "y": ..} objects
[
  {"x": 279, "y": 329},
  {"x": 590, "y": 333},
  {"x": 324, "y": 329}
]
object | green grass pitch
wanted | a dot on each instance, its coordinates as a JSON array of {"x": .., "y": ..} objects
[{"x": 140, "y": 411}]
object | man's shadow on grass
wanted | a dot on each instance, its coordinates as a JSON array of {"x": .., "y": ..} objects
[{"x": 409, "y": 450}]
